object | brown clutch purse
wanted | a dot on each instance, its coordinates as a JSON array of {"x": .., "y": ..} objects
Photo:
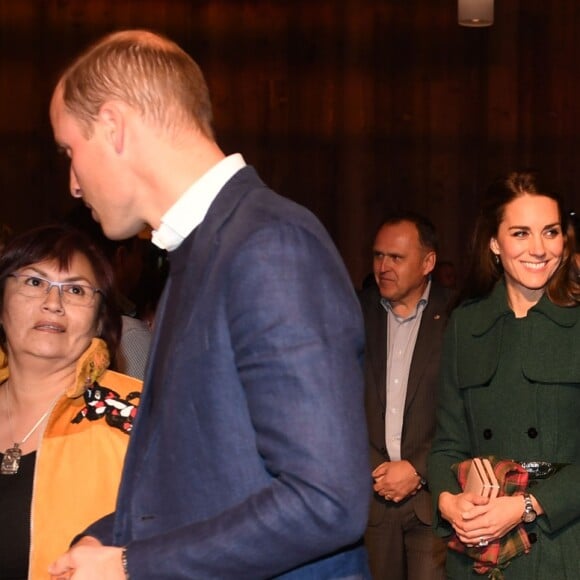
[{"x": 481, "y": 479}]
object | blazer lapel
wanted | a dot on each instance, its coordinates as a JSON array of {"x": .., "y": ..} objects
[
  {"x": 188, "y": 267},
  {"x": 430, "y": 332},
  {"x": 207, "y": 235},
  {"x": 377, "y": 351}
]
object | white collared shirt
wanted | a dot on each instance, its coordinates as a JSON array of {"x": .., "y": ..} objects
[
  {"x": 401, "y": 340},
  {"x": 190, "y": 209}
]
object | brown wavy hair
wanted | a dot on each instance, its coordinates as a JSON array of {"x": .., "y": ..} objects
[{"x": 484, "y": 270}]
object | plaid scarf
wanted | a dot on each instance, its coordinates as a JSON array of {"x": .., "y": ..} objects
[{"x": 496, "y": 556}]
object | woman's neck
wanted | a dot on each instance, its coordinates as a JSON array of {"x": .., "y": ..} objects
[
  {"x": 26, "y": 399},
  {"x": 34, "y": 388},
  {"x": 520, "y": 301}
]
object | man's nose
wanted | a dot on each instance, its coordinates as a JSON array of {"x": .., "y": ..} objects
[{"x": 386, "y": 264}]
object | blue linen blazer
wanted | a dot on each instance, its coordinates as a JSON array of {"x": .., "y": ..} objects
[{"x": 249, "y": 457}]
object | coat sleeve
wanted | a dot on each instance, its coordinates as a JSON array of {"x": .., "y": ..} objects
[
  {"x": 297, "y": 341},
  {"x": 452, "y": 439},
  {"x": 102, "y": 530},
  {"x": 559, "y": 498}
]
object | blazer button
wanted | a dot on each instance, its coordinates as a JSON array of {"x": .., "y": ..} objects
[
  {"x": 384, "y": 451},
  {"x": 487, "y": 434},
  {"x": 532, "y": 537},
  {"x": 532, "y": 432}
]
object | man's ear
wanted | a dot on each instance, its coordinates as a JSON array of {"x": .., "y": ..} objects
[
  {"x": 429, "y": 262},
  {"x": 111, "y": 118}
]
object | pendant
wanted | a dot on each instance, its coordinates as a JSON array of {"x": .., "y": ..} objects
[{"x": 11, "y": 460}]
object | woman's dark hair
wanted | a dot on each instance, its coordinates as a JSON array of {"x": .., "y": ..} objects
[
  {"x": 61, "y": 243},
  {"x": 484, "y": 270}
]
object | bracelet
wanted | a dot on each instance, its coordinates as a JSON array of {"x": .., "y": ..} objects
[{"x": 124, "y": 562}]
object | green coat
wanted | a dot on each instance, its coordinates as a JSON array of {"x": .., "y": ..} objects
[{"x": 511, "y": 388}]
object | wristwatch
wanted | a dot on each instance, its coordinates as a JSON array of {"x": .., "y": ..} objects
[
  {"x": 422, "y": 480},
  {"x": 529, "y": 514}
]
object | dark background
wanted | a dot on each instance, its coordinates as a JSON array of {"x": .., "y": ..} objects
[{"x": 350, "y": 107}]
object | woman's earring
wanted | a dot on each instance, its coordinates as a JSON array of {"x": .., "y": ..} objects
[
  {"x": 496, "y": 259},
  {"x": 89, "y": 381}
]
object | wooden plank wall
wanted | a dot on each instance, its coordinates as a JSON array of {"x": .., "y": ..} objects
[{"x": 351, "y": 107}]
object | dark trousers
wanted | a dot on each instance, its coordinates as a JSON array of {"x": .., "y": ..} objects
[{"x": 401, "y": 547}]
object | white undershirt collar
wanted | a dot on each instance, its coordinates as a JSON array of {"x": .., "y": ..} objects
[{"x": 190, "y": 209}]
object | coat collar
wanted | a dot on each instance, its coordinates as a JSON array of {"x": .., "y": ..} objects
[
  {"x": 489, "y": 311},
  {"x": 89, "y": 367}
]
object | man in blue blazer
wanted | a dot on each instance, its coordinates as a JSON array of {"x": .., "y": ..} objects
[{"x": 249, "y": 456}]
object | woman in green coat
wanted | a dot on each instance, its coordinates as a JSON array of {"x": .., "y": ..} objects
[{"x": 511, "y": 389}]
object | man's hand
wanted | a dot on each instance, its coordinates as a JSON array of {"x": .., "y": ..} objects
[
  {"x": 396, "y": 480},
  {"x": 88, "y": 559}
]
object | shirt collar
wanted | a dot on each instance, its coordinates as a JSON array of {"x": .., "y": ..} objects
[
  {"x": 420, "y": 305},
  {"x": 190, "y": 209}
]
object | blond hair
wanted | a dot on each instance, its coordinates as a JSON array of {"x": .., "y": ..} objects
[{"x": 147, "y": 71}]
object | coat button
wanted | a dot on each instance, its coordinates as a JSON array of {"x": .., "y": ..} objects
[
  {"x": 532, "y": 537},
  {"x": 532, "y": 432},
  {"x": 384, "y": 451},
  {"x": 487, "y": 434}
]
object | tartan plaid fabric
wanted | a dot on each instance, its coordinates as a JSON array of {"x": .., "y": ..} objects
[{"x": 492, "y": 559}]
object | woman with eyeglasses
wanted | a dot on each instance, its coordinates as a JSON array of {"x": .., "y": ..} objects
[{"x": 65, "y": 419}]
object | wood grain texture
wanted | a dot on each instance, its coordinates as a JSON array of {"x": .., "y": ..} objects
[{"x": 351, "y": 108}]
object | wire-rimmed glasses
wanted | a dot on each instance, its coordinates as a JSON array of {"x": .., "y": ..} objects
[{"x": 35, "y": 286}]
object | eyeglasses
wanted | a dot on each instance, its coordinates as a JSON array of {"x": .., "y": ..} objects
[{"x": 70, "y": 292}]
